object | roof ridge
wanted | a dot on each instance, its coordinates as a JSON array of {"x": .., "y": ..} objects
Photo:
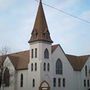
[
  {"x": 18, "y": 52},
  {"x": 77, "y": 55}
]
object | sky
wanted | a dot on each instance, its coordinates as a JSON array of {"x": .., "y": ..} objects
[{"x": 17, "y": 18}]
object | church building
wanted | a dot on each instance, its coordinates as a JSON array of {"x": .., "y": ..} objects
[{"x": 44, "y": 66}]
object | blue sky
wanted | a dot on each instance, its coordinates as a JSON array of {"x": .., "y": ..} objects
[{"x": 17, "y": 18}]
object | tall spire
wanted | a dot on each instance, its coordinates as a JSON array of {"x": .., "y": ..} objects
[
  {"x": 40, "y": 30},
  {"x": 40, "y": 0}
]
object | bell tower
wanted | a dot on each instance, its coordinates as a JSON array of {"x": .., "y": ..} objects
[{"x": 40, "y": 51}]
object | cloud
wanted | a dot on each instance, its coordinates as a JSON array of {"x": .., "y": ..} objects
[
  {"x": 64, "y": 29},
  {"x": 4, "y": 4},
  {"x": 86, "y": 15},
  {"x": 72, "y": 33},
  {"x": 63, "y": 4}
]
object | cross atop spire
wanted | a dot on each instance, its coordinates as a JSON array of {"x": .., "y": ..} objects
[
  {"x": 40, "y": 30},
  {"x": 41, "y": 1}
]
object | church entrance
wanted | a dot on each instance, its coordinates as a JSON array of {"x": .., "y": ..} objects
[{"x": 44, "y": 86}]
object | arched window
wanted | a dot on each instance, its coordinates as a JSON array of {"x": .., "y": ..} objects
[
  {"x": 48, "y": 67},
  {"x": 0, "y": 78},
  {"x": 84, "y": 83},
  {"x": 32, "y": 53},
  {"x": 31, "y": 66},
  {"x": 6, "y": 77},
  {"x": 21, "y": 83},
  {"x": 35, "y": 52},
  {"x": 86, "y": 70},
  {"x": 44, "y": 66},
  {"x": 46, "y": 53},
  {"x": 64, "y": 81},
  {"x": 88, "y": 83},
  {"x": 54, "y": 82},
  {"x": 59, "y": 67},
  {"x": 59, "y": 82},
  {"x": 33, "y": 83},
  {"x": 35, "y": 66}
]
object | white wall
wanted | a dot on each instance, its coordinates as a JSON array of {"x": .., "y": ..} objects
[
  {"x": 84, "y": 77},
  {"x": 74, "y": 79},
  {"x": 25, "y": 79},
  {"x": 7, "y": 63},
  {"x": 67, "y": 70},
  {"x": 39, "y": 75},
  {"x": 15, "y": 77}
]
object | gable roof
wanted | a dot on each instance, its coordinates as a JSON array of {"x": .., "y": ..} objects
[
  {"x": 20, "y": 60},
  {"x": 54, "y": 47},
  {"x": 77, "y": 62}
]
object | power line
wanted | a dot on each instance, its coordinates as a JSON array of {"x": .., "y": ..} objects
[{"x": 66, "y": 13}]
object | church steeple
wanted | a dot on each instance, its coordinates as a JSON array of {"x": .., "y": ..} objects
[{"x": 40, "y": 30}]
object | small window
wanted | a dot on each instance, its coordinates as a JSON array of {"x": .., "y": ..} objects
[
  {"x": 48, "y": 67},
  {"x": 46, "y": 54},
  {"x": 31, "y": 66},
  {"x": 44, "y": 67},
  {"x": 86, "y": 71},
  {"x": 35, "y": 52},
  {"x": 64, "y": 82},
  {"x": 84, "y": 83},
  {"x": 21, "y": 83},
  {"x": 35, "y": 66},
  {"x": 32, "y": 53},
  {"x": 54, "y": 82},
  {"x": 33, "y": 83},
  {"x": 59, "y": 82},
  {"x": 88, "y": 83}
]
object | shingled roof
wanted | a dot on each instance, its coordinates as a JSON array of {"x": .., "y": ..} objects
[
  {"x": 20, "y": 60},
  {"x": 40, "y": 30},
  {"x": 77, "y": 62},
  {"x": 54, "y": 47}
]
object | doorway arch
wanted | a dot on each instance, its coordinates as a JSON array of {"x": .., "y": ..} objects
[{"x": 44, "y": 86}]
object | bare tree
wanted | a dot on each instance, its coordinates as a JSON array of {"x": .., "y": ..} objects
[{"x": 4, "y": 51}]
